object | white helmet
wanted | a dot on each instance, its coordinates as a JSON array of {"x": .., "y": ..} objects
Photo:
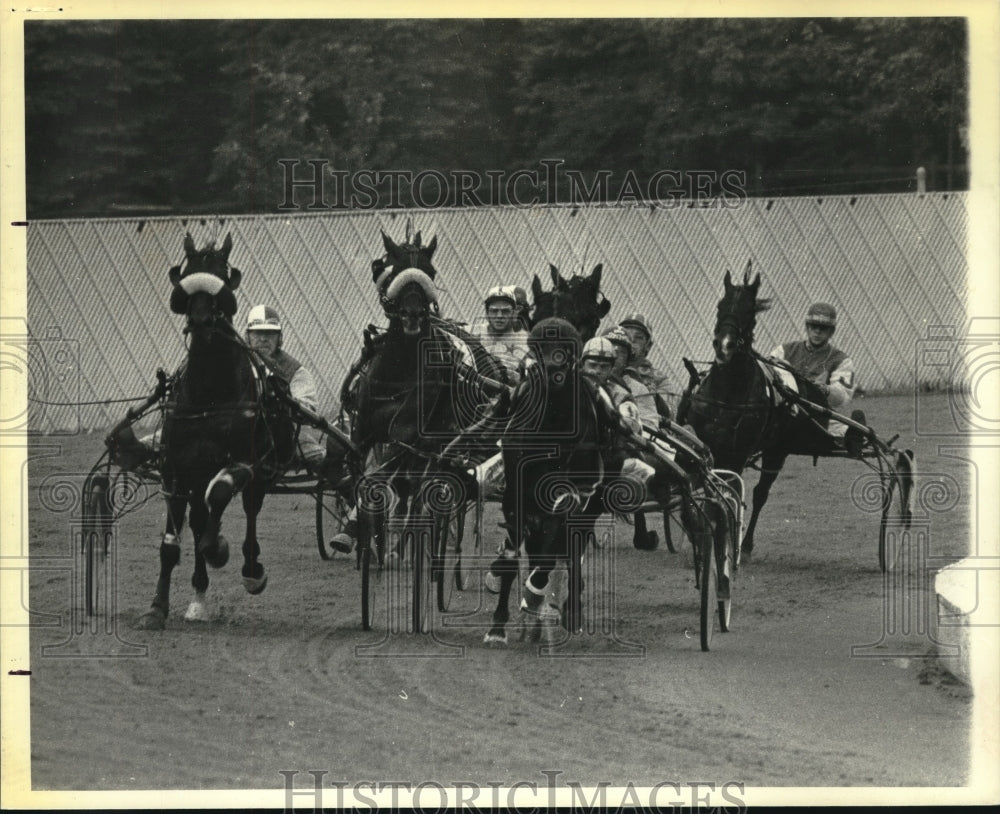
[
  {"x": 599, "y": 348},
  {"x": 263, "y": 318},
  {"x": 501, "y": 292}
]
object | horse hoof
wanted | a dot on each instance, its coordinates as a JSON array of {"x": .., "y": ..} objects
[
  {"x": 746, "y": 554},
  {"x": 220, "y": 556},
  {"x": 197, "y": 611},
  {"x": 255, "y": 585},
  {"x": 153, "y": 619},
  {"x": 648, "y": 542},
  {"x": 495, "y": 639}
]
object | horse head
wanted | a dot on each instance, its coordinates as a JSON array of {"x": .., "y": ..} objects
[
  {"x": 578, "y": 300},
  {"x": 400, "y": 257},
  {"x": 203, "y": 285},
  {"x": 736, "y": 316},
  {"x": 404, "y": 277}
]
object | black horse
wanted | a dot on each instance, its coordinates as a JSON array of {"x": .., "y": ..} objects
[
  {"x": 221, "y": 434},
  {"x": 578, "y": 300},
  {"x": 738, "y": 411},
  {"x": 416, "y": 387},
  {"x": 412, "y": 254},
  {"x": 558, "y": 481},
  {"x": 553, "y": 468}
]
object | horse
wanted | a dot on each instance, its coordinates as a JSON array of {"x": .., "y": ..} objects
[
  {"x": 414, "y": 389},
  {"x": 221, "y": 434},
  {"x": 412, "y": 254},
  {"x": 553, "y": 465},
  {"x": 557, "y": 483},
  {"x": 737, "y": 411},
  {"x": 578, "y": 300}
]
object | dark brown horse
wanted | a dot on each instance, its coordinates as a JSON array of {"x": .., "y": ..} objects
[
  {"x": 221, "y": 436},
  {"x": 578, "y": 300},
  {"x": 737, "y": 411}
]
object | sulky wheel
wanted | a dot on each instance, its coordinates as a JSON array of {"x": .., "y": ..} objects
[
  {"x": 419, "y": 540},
  {"x": 466, "y": 550},
  {"x": 707, "y": 571},
  {"x": 96, "y": 530},
  {"x": 372, "y": 546},
  {"x": 320, "y": 510},
  {"x": 727, "y": 548},
  {"x": 897, "y": 491}
]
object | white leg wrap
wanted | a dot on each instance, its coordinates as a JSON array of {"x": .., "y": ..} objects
[
  {"x": 198, "y": 610},
  {"x": 222, "y": 477}
]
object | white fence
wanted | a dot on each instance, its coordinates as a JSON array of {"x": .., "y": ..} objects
[{"x": 99, "y": 325}]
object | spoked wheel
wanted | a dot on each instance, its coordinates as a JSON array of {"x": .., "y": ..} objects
[
  {"x": 726, "y": 547},
  {"x": 96, "y": 517},
  {"x": 372, "y": 546},
  {"x": 420, "y": 542},
  {"x": 449, "y": 531},
  {"x": 706, "y": 556},
  {"x": 668, "y": 533},
  {"x": 897, "y": 488},
  {"x": 320, "y": 511},
  {"x": 466, "y": 550}
]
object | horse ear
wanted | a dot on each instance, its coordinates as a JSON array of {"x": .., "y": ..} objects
[
  {"x": 755, "y": 284},
  {"x": 174, "y": 275},
  {"x": 727, "y": 281},
  {"x": 595, "y": 276},
  {"x": 432, "y": 247},
  {"x": 227, "y": 246},
  {"x": 393, "y": 251},
  {"x": 603, "y": 308},
  {"x": 235, "y": 275},
  {"x": 416, "y": 239},
  {"x": 556, "y": 277},
  {"x": 746, "y": 272},
  {"x": 189, "y": 248},
  {"x": 536, "y": 288}
]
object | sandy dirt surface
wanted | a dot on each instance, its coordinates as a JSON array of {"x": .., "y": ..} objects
[{"x": 824, "y": 680}]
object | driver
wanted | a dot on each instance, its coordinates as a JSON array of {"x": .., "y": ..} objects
[
  {"x": 503, "y": 338},
  {"x": 817, "y": 359}
]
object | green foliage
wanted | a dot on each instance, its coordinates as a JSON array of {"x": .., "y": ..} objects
[{"x": 194, "y": 116}]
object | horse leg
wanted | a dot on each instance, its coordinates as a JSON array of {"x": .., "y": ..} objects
[
  {"x": 506, "y": 569},
  {"x": 254, "y": 576},
  {"x": 770, "y": 466},
  {"x": 197, "y": 610},
  {"x": 220, "y": 491},
  {"x": 170, "y": 554},
  {"x": 537, "y": 616}
]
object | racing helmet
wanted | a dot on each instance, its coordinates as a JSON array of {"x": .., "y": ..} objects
[
  {"x": 501, "y": 292},
  {"x": 599, "y": 348},
  {"x": 617, "y": 336},
  {"x": 263, "y": 318},
  {"x": 822, "y": 313}
]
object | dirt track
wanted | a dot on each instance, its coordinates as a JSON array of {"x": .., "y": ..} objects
[{"x": 288, "y": 681}]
